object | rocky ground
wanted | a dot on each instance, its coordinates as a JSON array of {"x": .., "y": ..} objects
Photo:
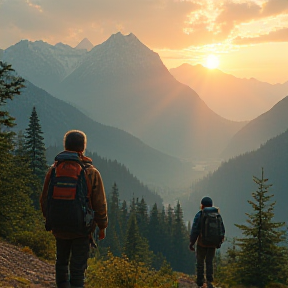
[
  {"x": 19, "y": 268},
  {"x": 22, "y": 269}
]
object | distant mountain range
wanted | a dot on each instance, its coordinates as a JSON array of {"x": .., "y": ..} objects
[
  {"x": 45, "y": 64},
  {"x": 124, "y": 84},
  {"x": 232, "y": 98},
  {"x": 259, "y": 130},
  {"x": 57, "y": 117},
  {"x": 231, "y": 185}
]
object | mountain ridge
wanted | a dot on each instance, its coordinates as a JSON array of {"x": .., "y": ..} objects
[
  {"x": 124, "y": 84},
  {"x": 258, "y": 131},
  {"x": 238, "y": 99},
  {"x": 123, "y": 72}
]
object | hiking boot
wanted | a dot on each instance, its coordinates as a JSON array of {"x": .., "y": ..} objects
[
  {"x": 64, "y": 285},
  {"x": 209, "y": 285}
]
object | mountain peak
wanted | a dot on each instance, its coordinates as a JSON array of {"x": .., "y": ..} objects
[
  {"x": 62, "y": 45},
  {"x": 85, "y": 44},
  {"x": 120, "y": 38}
]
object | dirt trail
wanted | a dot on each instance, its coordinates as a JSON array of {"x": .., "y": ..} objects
[{"x": 19, "y": 269}]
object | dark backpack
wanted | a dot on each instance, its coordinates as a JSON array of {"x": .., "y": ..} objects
[
  {"x": 211, "y": 227},
  {"x": 68, "y": 208}
]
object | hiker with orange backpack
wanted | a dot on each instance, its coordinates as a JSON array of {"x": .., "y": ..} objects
[
  {"x": 73, "y": 202},
  {"x": 208, "y": 230}
]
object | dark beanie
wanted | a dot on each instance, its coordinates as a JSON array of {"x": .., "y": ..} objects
[{"x": 206, "y": 201}]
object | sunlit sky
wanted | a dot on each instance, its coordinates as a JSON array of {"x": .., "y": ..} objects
[{"x": 250, "y": 38}]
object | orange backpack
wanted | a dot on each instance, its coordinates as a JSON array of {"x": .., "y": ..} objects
[{"x": 68, "y": 206}]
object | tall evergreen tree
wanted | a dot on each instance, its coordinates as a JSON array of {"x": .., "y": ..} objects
[
  {"x": 180, "y": 242},
  {"x": 261, "y": 259},
  {"x": 136, "y": 247},
  {"x": 154, "y": 231},
  {"x": 114, "y": 238},
  {"x": 16, "y": 213},
  {"x": 124, "y": 216},
  {"x": 35, "y": 147},
  {"x": 142, "y": 217},
  {"x": 10, "y": 85}
]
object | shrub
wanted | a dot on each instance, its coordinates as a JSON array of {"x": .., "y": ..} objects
[
  {"x": 120, "y": 272},
  {"x": 41, "y": 243}
]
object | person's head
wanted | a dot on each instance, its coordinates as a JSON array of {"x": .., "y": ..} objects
[
  {"x": 206, "y": 202},
  {"x": 75, "y": 140}
]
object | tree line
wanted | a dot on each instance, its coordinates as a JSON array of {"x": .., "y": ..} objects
[{"x": 154, "y": 235}]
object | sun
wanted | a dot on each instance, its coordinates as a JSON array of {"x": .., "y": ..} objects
[{"x": 212, "y": 61}]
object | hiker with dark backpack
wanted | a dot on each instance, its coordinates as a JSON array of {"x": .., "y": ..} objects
[
  {"x": 208, "y": 230},
  {"x": 73, "y": 202}
]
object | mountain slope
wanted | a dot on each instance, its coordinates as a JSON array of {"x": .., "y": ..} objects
[
  {"x": 57, "y": 117},
  {"x": 122, "y": 83},
  {"x": 20, "y": 269},
  {"x": 231, "y": 97},
  {"x": 231, "y": 185},
  {"x": 259, "y": 130}
]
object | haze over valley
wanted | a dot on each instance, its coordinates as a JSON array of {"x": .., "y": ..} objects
[{"x": 169, "y": 128}]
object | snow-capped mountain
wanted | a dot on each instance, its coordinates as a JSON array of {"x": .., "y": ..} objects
[{"x": 43, "y": 64}]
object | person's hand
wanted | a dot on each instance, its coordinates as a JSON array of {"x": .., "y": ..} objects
[
  {"x": 191, "y": 247},
  {"x": 102, "y": 234}
]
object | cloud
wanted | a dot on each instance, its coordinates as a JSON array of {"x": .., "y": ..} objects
[
  {"x": 173, "y": 24},
  {"x": 160, "y": 22},
  {"x": 280, "y": 35},
  {"x": 274, "y": 7}
]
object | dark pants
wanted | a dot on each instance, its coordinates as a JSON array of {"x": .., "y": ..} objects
[
  {"x": 71, "y": 261},
  {"x": 204, "y": 254}
]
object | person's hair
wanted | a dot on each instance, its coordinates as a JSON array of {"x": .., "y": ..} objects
[
  {"x": 206, "y": 201},
  {"x": 75, "y": 140}
]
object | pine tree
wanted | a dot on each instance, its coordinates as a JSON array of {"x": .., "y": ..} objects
[
  {"x": 136, "y": 247},
  {"x": 16, "y": 213},
  {"x": 154, "y": 228},
  {"x": 261, "y": 259},
  {"x": 35, "y": 146},
  {"x": 180, "y": 241},
  {"x": 142, "y": 217},
  {"x": 114, "y": 237},
  {"x": 124, "y": 216},
  {"x": 10, "y": 86}
]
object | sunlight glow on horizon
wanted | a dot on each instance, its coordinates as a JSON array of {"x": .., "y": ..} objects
[{"x": 212, "y": 61}]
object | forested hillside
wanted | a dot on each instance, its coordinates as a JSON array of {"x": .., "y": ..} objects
[
  {"x": 57, "y": 117},
  {"x": 258, "y": 131},
  {"x": 114, "y": 172},
  {"x": 231, "y": 184}
]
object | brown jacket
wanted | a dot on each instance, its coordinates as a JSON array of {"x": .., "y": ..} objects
[{"x": 97, "y": 199}]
